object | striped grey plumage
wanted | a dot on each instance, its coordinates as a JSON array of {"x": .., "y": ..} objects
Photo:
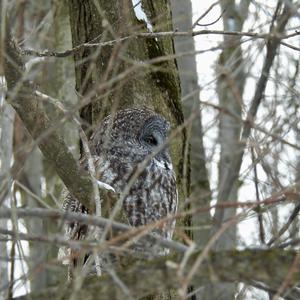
[{"x": 119, "y": 145}]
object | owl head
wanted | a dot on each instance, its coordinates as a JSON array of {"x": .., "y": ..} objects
[{"x": 132, "y": 135}]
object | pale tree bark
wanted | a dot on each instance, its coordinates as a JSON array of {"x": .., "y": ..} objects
[
  {"x": 296, "y": 128},
  {"x": 282, "y": 16},
  {"x": 42, "y": 126},
  {"x": 6, "y": 143},
  {"x": 61, "y": 86},
  {"x": 63, "y": 81},
  {"x": 6, "y": 149},
  {"x": 230, "y": 87},
  {"x": 187, "y": 67},
  {"x": 31, "y": 179},
  {"x": 31, "y": 164},
  {"x": 200, "y": 191}
]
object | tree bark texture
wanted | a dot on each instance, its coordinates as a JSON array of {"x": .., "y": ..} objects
[
  {"x": 200, "y": 190},
  {"x": 230, "y": 87},
  {"x": 135, "y": 81},
  {"x": 119, "y": 76},
  {"x": 6, "y": 143}
]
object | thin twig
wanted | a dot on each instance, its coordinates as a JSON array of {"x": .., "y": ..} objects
[
  {"x": 213, "y": 22},
  {"x": 91, "y": 220},
  {"x": 259, "y": 215},
  {"x": 68, "y": 52},
  {"x": 205, "y": 13},
  {"x": 286, "y": 226}
]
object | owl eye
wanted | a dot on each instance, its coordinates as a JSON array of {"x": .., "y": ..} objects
[{"x": 151, "y": 140}]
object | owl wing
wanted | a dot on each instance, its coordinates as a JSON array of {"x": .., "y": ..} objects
[{"x": 73, "y": 230}]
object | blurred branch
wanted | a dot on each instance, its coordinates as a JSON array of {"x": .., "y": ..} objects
[
  {"x": 142, "y": 232},
  {"x": 286, "y": 226},
  {"x": 205, "y": 13},
  {"x": 259, "y": 214},
  {"x": 270, "y": 267},
  {"x": 289, "y": 194},
  {"x": 213, "y": 22},
  {"x": 285, "y": 285},
  {"x": 223, "y": 109}
]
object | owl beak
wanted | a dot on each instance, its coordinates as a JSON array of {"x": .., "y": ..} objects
[{"x": 163, "y": 160}]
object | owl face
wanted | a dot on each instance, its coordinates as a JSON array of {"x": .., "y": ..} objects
[
  {"x": 132, "y": 135},
  {"x": 153, "y": 136}
]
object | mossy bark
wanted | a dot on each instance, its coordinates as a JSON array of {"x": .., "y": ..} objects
[
  {"x": 154, "y": 86},
  {"x": 141, "y": 84}
]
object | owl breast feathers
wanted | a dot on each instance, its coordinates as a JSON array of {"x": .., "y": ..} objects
[{"x": 120, "y": 146}]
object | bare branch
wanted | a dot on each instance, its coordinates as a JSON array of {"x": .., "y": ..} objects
[
  {"x": 205, "y": 13},
  {"x": 49, "y": 53}
]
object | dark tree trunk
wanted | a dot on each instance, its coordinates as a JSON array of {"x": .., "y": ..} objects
[
  {"x": 153, "y": 86},
  {"x": 121, "y": 75}
]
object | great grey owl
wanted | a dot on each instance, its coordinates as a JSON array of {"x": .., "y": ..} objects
[{"x": 119, "y": 145}]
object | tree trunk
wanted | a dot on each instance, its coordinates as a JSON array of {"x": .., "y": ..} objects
[
  {"x": 155, "y": 86},
  {"x": 141, "y": 86},
  {"x": 200, "y": 190},
  {"x": 6, "y": 142},
  {"x": 230, "y": 87}
]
